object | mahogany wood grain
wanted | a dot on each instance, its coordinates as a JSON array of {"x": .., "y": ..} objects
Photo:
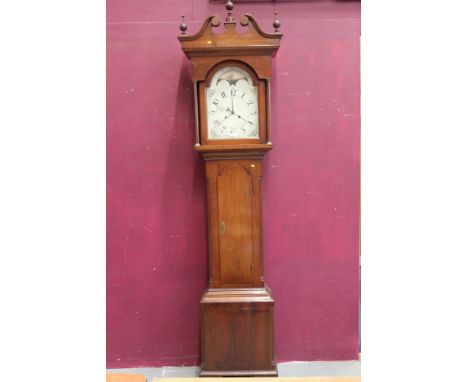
[
  {"x": 234, "y": 209},
  {"x": 238, "y": 324},
  {"x": 235, "y": 225}
]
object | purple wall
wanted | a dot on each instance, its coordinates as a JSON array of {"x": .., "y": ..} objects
[{"x": 156, "y": 235}]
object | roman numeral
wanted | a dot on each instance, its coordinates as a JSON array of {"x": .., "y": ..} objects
[
  {"x": 223, "y": 94},
  {"x": 216, "y": 101},
  {"x": 233, "y": 92},
  {"x": 250, "y": 102},
  {"x": 216, "y": 123}
]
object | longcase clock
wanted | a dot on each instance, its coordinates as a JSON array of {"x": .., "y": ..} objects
[{"x": 231, "y": 72}]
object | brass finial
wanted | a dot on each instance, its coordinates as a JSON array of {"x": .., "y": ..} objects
[
  {"x": 182, "y": 26},
  {"x": 276, "y": 23},
  {"x": 229, "y": 8}
]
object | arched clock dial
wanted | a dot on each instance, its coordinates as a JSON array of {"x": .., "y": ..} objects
[{"x": 232, "y": 105}]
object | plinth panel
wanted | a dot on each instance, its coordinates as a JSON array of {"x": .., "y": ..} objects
[{"x": 237, "y": 333}]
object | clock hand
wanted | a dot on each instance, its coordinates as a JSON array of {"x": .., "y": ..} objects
[
  {"x": 224, "y": 109},
  {"x": 238, "y": 116}
]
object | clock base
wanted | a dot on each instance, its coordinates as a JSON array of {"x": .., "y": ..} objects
[
  {"x": 240, "y": 373},
  {"x": 237, "y": 332}
]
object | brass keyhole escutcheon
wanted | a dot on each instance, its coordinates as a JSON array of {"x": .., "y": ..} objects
[{"x": 221, "y": 228}]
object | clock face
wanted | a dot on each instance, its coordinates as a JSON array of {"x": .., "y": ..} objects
[{"x": 232, "y": 105}]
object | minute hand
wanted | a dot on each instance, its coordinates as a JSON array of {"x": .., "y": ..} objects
[
  {"x": 232, "y": 104},
  {"x": 238, "y": 116}
]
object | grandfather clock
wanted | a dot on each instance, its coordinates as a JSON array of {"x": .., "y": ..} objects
[{"x": 231, "y": 72}]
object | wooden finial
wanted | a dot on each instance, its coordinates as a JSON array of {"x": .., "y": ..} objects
[
  {"x": 276, "y": 23},
  {"x": 182, "y": 26},
  {"x": 229, "y": 8}
]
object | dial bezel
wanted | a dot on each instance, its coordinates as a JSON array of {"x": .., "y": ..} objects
[{"x": 204, "y": 85}]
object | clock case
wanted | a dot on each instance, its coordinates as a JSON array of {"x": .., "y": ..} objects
[{"x": 237, "y": 308}]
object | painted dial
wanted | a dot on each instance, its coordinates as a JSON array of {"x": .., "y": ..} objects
[{"x": 232, "y": 105}]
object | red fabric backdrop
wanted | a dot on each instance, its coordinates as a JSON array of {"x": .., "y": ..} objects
[{"x": 156, "y": 235}]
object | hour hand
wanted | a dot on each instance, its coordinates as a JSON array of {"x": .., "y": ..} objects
[{"x": 224, "y": 108}]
